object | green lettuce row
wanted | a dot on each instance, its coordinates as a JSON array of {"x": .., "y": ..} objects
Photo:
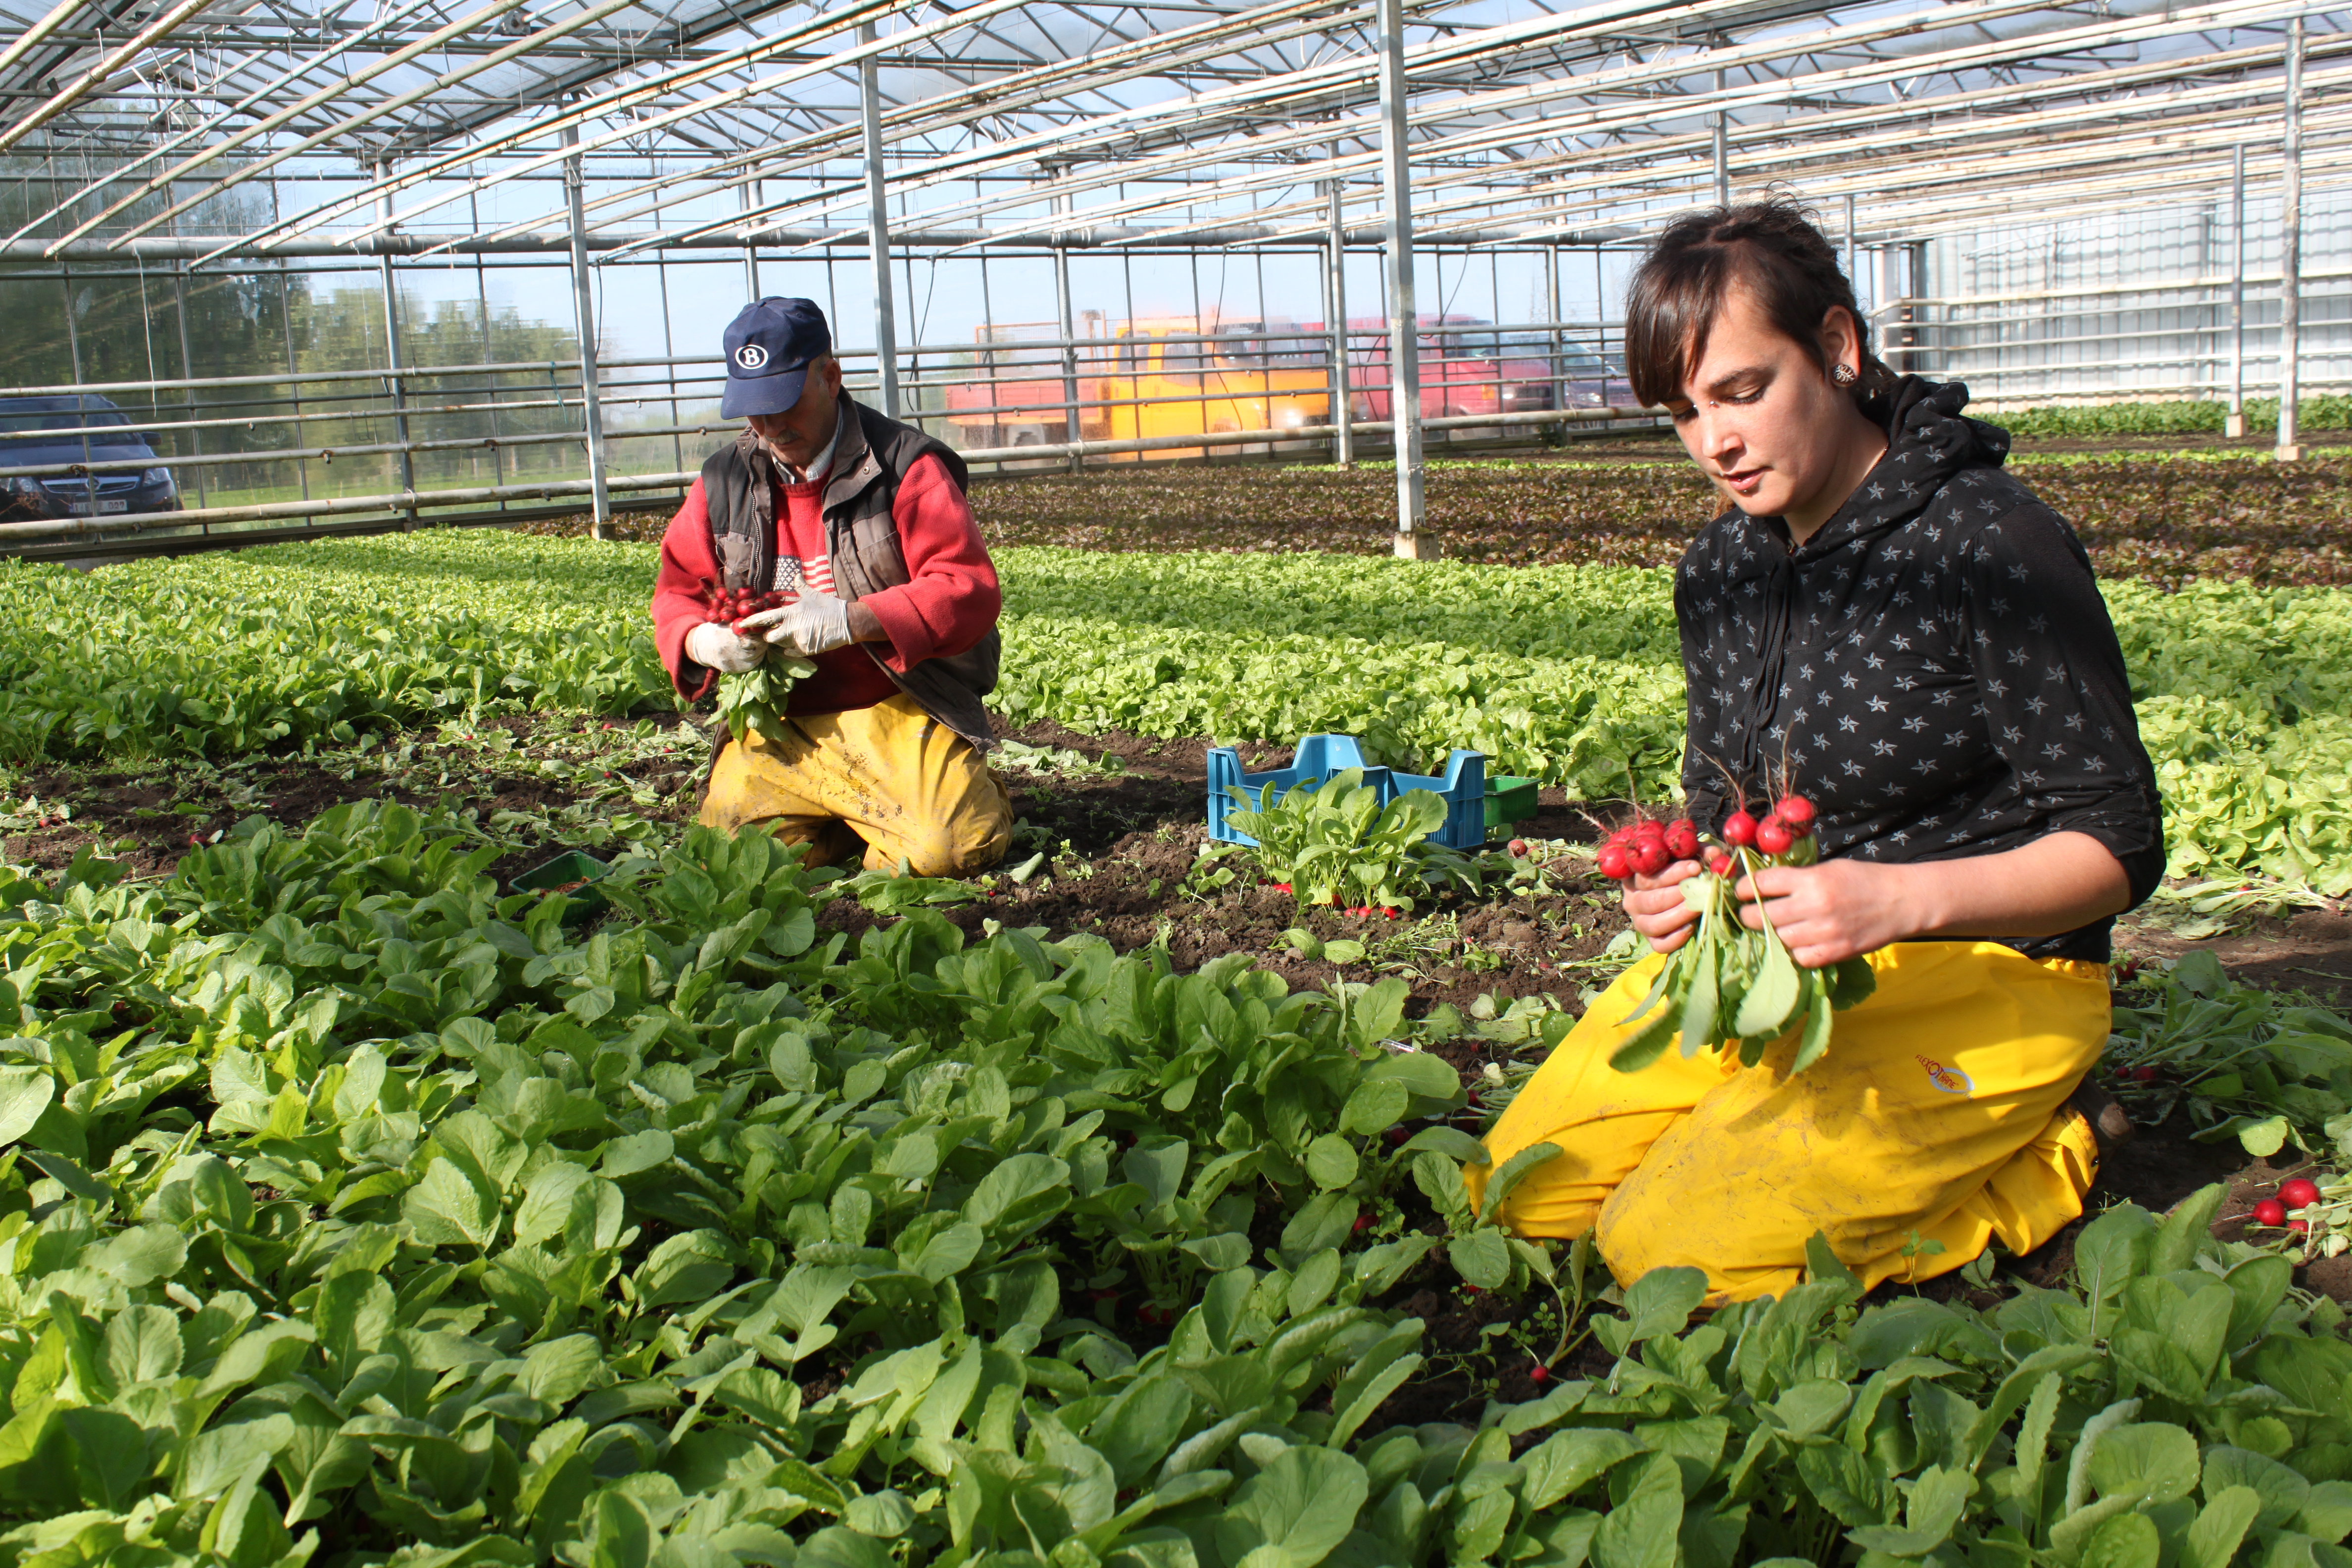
[
  {"x": 1566, "y": 674},
  {"x": 351, "y": 1210}
]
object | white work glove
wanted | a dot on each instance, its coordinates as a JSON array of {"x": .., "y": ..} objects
[
  {"x": 813, "y": 624},
  {"x": 715, "y": 645}
]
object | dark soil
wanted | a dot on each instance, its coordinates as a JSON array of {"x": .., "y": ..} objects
[
  {"x": 1637, "y": 500},
  {"x": 151, "y": 816},
  {"x": 2306, "y": 950}
]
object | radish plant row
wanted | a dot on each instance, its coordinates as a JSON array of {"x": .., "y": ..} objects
[
  {"x": 1567, "y": 674},
  {"x": 351, "y": 1212}
]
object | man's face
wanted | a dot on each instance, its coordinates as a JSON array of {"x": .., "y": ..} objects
[{"x": 798, "y": 434}]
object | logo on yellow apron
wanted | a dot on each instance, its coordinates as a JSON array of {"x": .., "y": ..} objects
[{"x": 1951, "y": 1081}]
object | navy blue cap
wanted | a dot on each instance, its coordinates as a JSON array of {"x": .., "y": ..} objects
[{"x": 769, "y": 348}]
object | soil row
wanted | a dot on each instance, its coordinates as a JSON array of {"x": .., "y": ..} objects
[{"x": 2238, "y": 517}]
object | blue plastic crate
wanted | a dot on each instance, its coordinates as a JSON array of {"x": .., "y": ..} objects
[{"x": 1463, "y": 785}]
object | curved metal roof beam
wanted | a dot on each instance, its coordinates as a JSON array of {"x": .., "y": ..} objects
[
  {"x": 31, "y": 36},
  {"x": 824, "y": 25},
  {"x": 922, "y": 117},
  {"x": 65, "y": 97},
  {"x": 1622, "y": 80},
  {"x": 221, "y": 118},
  {"x": 1637, "y": 114}
]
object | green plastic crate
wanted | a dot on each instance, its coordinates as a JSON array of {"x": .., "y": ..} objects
[
  {"x": 572, "y": 866},
  {"x": 1509, "y": 799}
]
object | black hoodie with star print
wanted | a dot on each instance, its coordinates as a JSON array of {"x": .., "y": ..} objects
[{"x": 1934, "y": 667}]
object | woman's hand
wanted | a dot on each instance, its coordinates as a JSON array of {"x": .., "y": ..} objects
[
  {"x": 1835, "y": 910},
  {"x": 1655, "y": 906}
]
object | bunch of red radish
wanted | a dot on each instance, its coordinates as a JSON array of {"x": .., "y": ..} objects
[
  {"x": 2299, "y": 1193},
  {"x": 1647, "y": 848},
  {"x": 736, "y": 605}
]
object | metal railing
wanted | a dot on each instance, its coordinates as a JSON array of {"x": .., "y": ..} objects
[
  {"x": 2155, "y": 341},
  {"x": 256, "y": 451}
]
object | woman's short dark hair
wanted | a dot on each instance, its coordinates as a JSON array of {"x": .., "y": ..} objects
[{"x": 1769, "y": 248}]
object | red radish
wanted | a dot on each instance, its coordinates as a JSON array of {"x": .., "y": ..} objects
[
  {"x": 1719, "y": 863},
  {"x": 2146, "y": 1074},
  {"x": 1739, "y": 830},
  {"x": 1682, "y": 840},
  {"x": 2299, "y": 1192},
  {"x": 1797, "y": 812},
  {"x": 1613, "y": 862},
  {"x": 2271, "y": 1212},
  {"x": 2299, "y": 1226},
  {"x": 1649, "y": 831},
  {"x": 1649, "y": 858},
  {"x": 1772, "y": 837},
  {"x": 1517, "y": 849},
  {"x": 1397, "y": 1135},
  {"x": 1540, "y": 1374},
  {"x": 1391, "y": 911}
]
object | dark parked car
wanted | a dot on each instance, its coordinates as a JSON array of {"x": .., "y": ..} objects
[{"x": 54, "y": 432}]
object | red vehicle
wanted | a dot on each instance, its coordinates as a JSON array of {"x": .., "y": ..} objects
[{"x": 1469, "y": 367}]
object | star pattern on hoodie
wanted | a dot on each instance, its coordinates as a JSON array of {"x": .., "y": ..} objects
[{"x": 1942, "y": 640}]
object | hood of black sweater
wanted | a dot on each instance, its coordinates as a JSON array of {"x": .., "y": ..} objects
[{"x": 1928, "y": 440}]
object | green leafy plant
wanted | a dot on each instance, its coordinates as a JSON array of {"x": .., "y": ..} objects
[
  {"x": 1335, "y": 840},
  {"x": 352, "y": 1208},
  {"x": 751, "y": 701},
  {"x": 2239, "y": 1061}
]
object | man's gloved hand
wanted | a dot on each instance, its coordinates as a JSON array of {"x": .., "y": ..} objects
[
  {"x": 714, "y": 645},
  {"x": 813, "y": 624}
]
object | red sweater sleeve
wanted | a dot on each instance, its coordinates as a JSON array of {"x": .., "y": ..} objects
[
  {"x": 689, "y": 572},
  {"x": 950, "y": 597}
]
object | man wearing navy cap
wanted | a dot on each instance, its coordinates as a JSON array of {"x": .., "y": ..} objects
[{"x": 864, "y": 521}]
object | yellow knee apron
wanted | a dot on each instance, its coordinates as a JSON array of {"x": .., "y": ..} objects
[
  {"x": 913, "y": 789},
  {"x": 1937, "y": 1122}
]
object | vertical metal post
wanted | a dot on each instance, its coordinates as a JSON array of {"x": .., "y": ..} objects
[
  {"x": 188, "y": 369},
  {"x": 1068, "y": 325},
  {"x": 1068, "y": 322},
  {"x": 1557, "y": 357},
  {"x": 1069, "y": 349},
  {"x": 2291, "y": 250},
  {"x": 1600, "y": 323},
  {"x": 489, "y": 379},
  {"x": 753, "y": 198},
  {"x": 1335, "y": 262},
  {"x": 2233, "y": 424},
  {"x": 583, "y": 312},
  {"x": 877, "y": 229},
  {"x": 398, "y": 386},
  {"x": 73, "y": 337},
  {"x": 1722, "y": 150},
  {"x": 293, "y": 387},
  {"x": 1404, "y": 342}
]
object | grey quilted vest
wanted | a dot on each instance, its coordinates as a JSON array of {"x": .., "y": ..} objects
[{"x": 870, "y": 456}]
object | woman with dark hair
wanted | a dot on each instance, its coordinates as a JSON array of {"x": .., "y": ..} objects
[{"x": 1887, "y": 623}]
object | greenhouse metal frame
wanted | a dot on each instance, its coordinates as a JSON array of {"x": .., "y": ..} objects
[{"x": 156, "y": 146}]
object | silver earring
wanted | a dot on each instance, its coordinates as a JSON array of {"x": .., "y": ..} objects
[{"x": 1843, "y": 374}]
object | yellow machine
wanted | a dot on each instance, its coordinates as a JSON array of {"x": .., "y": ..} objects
[
  {"x": 1166, "y": 376},
  {"x": 1248, "y": 375}
]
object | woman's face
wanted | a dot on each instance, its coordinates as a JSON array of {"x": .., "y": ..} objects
[{"x": 1763, "y": 420}]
